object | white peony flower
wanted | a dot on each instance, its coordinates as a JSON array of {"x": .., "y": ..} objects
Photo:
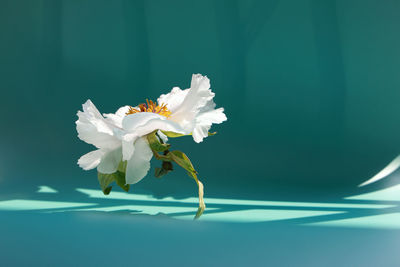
[
  {"x": 119, "y": 136},
  {"x": 126, "y": 141},
  {"x": 189, "y": 111}
]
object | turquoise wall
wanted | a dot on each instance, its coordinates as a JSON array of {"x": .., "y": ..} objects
[{"x": 311, "y": 88}]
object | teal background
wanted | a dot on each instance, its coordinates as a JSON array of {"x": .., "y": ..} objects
[{"x": 310, "y": 89}]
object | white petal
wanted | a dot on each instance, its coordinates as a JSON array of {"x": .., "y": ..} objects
[
  {"x": 117, "y": 118},
  {"x": 198, "y": 96},
  {"x": 133, "y": 121},
  {"x": 154, "y": 123},
  {"x": 127, "y": 146},
  {"x": 92, "y": 114},
  {"x": 146, "y": 122},
  {"x": 109, "y": 161},
  {"x": 139, "y": 164},
  {"x": 94, "y": 129},
  {"x": 174, "y": 99},
  {"x": 90, "y": 160},
  {"x": 140, "y": 124},
  {"x": 90, "y": 135},
  {"x": 205, "y": 120},
  {"x": 208, "y": 106},
  {"x": 162, "y": 136},
  {"x": 158, "y": 124},
  {"x": 197, "y": 111}
]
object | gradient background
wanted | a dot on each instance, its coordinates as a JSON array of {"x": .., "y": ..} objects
[{"x": 310, "y": 89}]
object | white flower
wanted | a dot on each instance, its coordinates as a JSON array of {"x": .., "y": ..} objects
[
  {"x": 121, "y": 136},
  {"x": 189, "y": 111},
  {"x": 103, "y": 133}
]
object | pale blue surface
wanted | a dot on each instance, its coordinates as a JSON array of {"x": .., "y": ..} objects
[
  {"x": 86, "y": 228},
  {"x": 98, "y": 239}
]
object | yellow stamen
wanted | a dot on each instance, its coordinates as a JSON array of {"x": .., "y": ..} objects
[{"x": 150, "y": 106}]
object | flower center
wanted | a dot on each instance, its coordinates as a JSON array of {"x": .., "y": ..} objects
[{"x": 150, "y": 107}]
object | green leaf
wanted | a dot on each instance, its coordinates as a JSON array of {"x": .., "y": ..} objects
[
  {"x": 122, "y": 166},
  {"x": 155, "y": 143},
  {"x": 172, "y": 134},
  {"x": 166, "y": 167},
  {"x": 106, "y": 179},
  {"x": 121, "y": 182},
  {"x": 182, "y": 160},
  {"x": 160, "y": 172},
  {"x": 107, "y": 190},
  {"x": 202, "y": 205}
]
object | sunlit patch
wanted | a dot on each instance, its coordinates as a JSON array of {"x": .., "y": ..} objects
[
  {"x": 150, "y": 106},
  {"x": 46, "y": 189},
  {"x": 232, "y": 202},
  {"x": 26, "y": 204},
  {"x": 387, "y": 194},
  {"x": 390, "y": 220},
  {"x": 383, "y": 221},
  {"x": 350, "y": 212}
]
